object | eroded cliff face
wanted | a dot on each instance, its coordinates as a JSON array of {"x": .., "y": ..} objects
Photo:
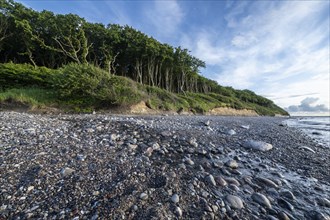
[
  {"x": 142, "y": 108},
  {"x": 232, "y": 112}
]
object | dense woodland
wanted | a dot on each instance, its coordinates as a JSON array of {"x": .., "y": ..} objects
[{"x": 45, "y": 39}]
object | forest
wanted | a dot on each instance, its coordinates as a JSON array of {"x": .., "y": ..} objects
[{"x": 37, "y": 49}]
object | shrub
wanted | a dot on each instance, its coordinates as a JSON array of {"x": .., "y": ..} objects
[
  {"x": 80, "y": 81},
  {"x": 122, "y": 91},
  {"x": 24, "y": 75},
  {"x": 90, "y": 85}
]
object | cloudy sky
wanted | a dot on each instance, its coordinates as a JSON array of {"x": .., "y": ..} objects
[{"x": 278, "y": 49}]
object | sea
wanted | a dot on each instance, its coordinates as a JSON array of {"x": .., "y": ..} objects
[{"x": 317, "y": 127}]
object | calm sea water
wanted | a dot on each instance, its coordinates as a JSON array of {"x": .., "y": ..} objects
[{"x": 317, "y": 127}]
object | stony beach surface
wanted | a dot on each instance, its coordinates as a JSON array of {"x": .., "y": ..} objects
[{"x": 159, "y": 167}]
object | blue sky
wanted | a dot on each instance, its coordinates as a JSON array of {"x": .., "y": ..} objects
[{"x": 278, "y": 49}]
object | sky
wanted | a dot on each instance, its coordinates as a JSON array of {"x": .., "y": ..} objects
[{"x": 278, "y": 49}]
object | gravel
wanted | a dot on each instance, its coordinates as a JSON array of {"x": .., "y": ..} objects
[{"x": 159, "y": 167}]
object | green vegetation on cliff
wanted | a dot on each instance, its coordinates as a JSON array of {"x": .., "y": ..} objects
[
  {"x": 84, "y": 87},
  {"x": 59, "y": 60}
]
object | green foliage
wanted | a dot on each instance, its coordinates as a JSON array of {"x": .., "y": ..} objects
[
  {"x": 163, "y": 100},
  {"x": 123, "y": 91},
  {"x": 86, "y": 84},
  {"x": 85, "y": 87},
  {"x": 201, "y": 103},
  {"x": 23, "y": 75},
  {"x": 84, "y": 81}
]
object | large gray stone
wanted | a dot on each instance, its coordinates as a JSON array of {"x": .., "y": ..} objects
[
  {"x": 261, "y": 200},
  {"x": 234, "y": 202},
  {"x": 257, "y": 145}
]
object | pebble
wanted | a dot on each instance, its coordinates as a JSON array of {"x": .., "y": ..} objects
[
  {"x": 166, "y": 133},
  {"x": 217, "y": 164},
  {"x": 143, "y": 196},
  {"x": 261, "y": 199},
  {"x": 267, "y": 182},
  {"x": 245, "y": 126},
  {"x": 189, "y": 162},
  {"x": 109, "y": 164},
  {"x": 96, "y": 193},
  {"x": 232, "y": 164},
  {"x": 215, "y": 208},
  {"x": 193, "y": 142},
  {"x": 220, "y": 181},
  {"x": 175, "y": 198},
  {"x": 30, "y": 188},
  {"x": 234, "y": 202},
  {"x": 288, "y": 194},
  {"x": 233, "y": 187},
  {"x": 257, "y": 145},
  {"x": 232, "y": 180},
  {"x": 67, "y": 171},
  {"x": 285, "y": 204},
  {"x": 178, "y": 211},
  {"x": 283, "y": 216},
  {"x": 231, "y": 132},
  {"x": 210, "y": 179}
]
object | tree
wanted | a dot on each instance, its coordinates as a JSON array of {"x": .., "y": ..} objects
[{"x": 3, "y": 28}]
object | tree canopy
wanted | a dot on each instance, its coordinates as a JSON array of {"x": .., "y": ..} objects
[{"x": 53, "y": 40}]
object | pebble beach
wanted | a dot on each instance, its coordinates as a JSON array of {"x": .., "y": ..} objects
[{"x": 102, "y": 166}]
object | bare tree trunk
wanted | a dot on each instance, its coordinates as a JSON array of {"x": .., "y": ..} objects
[
  {"x": 112, "y": 64},
  {"x": 151, "y": 70},
  {"x": 139, "y": 68},
  {"x": 29, "y": 52}
]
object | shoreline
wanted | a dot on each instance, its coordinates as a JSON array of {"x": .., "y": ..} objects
[{"x": 158, "y": 167}]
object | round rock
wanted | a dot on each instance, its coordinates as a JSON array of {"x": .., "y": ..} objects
[
  {"x": 175, "y": 198},
  {"x": 143, "y": 196},
  {"x": 232, "y": 164},
  {"x": 261, "y": 200},
  {"x": 257, "y": 145},
  {"x": 219, "y": 180},
  {"x": 234, "y": 202}
]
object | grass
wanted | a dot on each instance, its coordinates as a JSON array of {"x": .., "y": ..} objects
[
  {"x": 32, "y": 97},
  {"x": 124, "y": 92}
]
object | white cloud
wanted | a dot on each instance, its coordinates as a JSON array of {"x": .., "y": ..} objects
[
  {"x": 281, "y": 49},
  {"x": 308, "y": 105},
  {"x": 165, "y": 16},
  {"x": 243, "y": 41},
  {"x": 206, "y": 50},
  {"x": 118, "y": 13},
  {"x": 234, "y": 12}
]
